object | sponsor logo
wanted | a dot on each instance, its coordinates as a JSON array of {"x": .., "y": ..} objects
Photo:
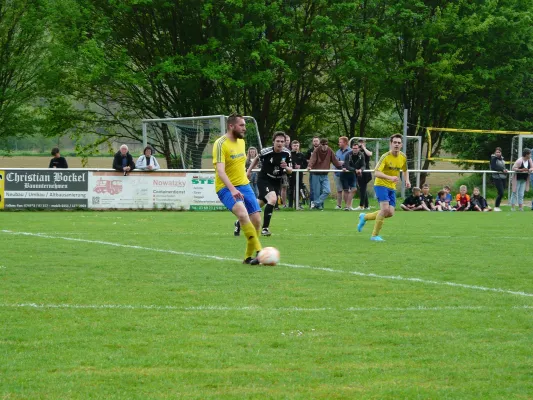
[{"x": 108, "y": 186}]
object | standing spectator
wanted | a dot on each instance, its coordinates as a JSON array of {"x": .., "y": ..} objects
[
  {"x": 342, "y": 192},
  {"x": 252, "y": 153},
  {"x": 308, "y": 154},
  {"x": 520, "y": 182},
  {"x": 123, "y": 161},
  {"x": 321, "y": 158},
  {"x": 413, "y": 202},
  {"x": 463, "y": 199},
  {"x": 478, "y": 202},
  {"x": 498, "y": 164},
  {"x": 147, "y": 161},
  {"x": 427, "y": 198},
  {"x": 299, "y": 162},
  {"x": 362, "y": 181},
  {"x": 355, "y": 164},
  {"x": 57, "y": 161},
  {"x": 284, "y": 177}
]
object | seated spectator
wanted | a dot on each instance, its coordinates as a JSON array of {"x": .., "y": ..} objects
[
  {"x": 449, "y": 197},
  {"x": 413, "y": 202},
  {"x": 440, "y": 202},
  {"x": 427, "y": 198},
  {"x": 463, "y": 199},
  {"x": 478, "y": 202},
  {"x": 147, "y": 161},
  {"x": 57, "y": 161},
  {"x": 123, "y": 161}
]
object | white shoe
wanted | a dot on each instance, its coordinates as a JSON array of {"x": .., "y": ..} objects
[
  {"x": 497, "y": 209},
  {"x": 368, "y": 208},
  {"x": 338, "y": 208},
  {"x": 312, "y": 205},
  {"x": 358, "y": 208}
]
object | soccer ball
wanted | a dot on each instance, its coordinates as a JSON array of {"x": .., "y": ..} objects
[{"x": 268, "y": 256}]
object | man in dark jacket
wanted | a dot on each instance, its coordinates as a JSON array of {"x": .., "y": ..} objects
[
  {"x": 58, "y": 161},
  {"x": 298, "y": 162},
  {"x": 123, "y": 161}
]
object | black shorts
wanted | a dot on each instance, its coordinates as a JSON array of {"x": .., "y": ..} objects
[{"x": 266, "y": 186}]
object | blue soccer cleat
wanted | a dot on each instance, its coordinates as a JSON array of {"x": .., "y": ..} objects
[
  {"x": 377, "y": 239},
  {"x": 361, "y": 223}
]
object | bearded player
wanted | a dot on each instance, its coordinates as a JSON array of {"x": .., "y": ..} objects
[{"x": 232, "y": 184}]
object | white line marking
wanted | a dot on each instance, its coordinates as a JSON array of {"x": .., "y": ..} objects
[
  {"x": 255, "y": 308},
  {"x": 205, "y": 256}
]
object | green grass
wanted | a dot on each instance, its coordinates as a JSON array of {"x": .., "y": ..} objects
[{"x": 85, "y": 319}]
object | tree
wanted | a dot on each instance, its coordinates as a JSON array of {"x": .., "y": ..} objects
[{"x": 23, "y": 66}]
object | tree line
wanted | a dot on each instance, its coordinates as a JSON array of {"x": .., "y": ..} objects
[{"x": 328, "y": 67}]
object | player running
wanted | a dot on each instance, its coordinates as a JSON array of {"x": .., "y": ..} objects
[
  {"x": 232, "y": 185},
  {"x": 275, "y": 161},
  {"x": 387, "y": 175}
]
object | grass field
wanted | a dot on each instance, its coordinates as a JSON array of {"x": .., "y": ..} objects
[{"x": 138, "y": 305}]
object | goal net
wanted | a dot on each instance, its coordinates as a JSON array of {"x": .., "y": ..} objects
[{"x": 187, "y": 142}]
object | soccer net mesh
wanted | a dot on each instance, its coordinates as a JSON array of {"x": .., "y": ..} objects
[{"x": 187, "y": 143}]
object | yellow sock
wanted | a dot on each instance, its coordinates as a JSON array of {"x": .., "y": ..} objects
[
  {"x": 252, "y": 239},
  {"x": 371, "y": 216},
  {"x": 377, "y": 226}
]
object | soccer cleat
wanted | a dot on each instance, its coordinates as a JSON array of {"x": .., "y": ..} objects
[
  {"x": 265, "y": 232},
  {"x": 237, "y": 230},
  {"x": 251, "y": 261},
  {"x": 361, "y": 223},
  {"x": 376, "y": 239}
]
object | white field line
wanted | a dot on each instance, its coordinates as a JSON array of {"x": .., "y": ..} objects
[
  {"x": 141, "y": 307},
  {"x": 211, "y": 257}
]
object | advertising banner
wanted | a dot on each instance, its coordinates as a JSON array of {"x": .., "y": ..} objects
[
  {"x": 54, "y": 189},
  {"x": 153, "y": 190},
  {"x": 1, "y": 190}
]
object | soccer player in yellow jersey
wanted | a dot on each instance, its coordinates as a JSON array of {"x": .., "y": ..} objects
[
  {"x": 232, "y": 185},
  {"x": 387, "y": 173}
]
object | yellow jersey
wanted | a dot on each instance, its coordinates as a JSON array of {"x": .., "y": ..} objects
[
  {"x": 390, "y": 165},
  {"x": 233, "y": 155}
]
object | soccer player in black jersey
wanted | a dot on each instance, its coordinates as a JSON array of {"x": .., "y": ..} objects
[{"x": 275, "y": 161}]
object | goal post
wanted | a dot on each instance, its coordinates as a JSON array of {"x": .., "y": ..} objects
[{"x": 188, "y": 141}]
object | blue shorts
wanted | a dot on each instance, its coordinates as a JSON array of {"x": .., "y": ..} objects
[
  {"x": 250, "y": 201},
  {"x": 385, "y": 194}
]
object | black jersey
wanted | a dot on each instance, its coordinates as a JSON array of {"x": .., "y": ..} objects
[{"x": 270, "y": 162}]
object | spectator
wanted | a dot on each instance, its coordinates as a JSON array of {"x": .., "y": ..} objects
[
  {"x": 355, "y": 164},
  {"x": 498, "y": 164},
  {"x": 520, "y": 182},
  {"x": 147, "y": 162},
  {"x": 57, "y": 161},
  {"x": 123, "y": 161},
  {"x": 321, "y": 158},
  {"x": 284, "y": 177},
  {"x": 314, "y": 146},
  {"x": 478, "y": 202},
  {"x": 298, "y": 162},
  {"x": 463, "y": 199},
  {"x": 413, "y": 202},
  {"x": 362, "y": 181},
  {"x": 342, "y": 191},
  {"x": 427, "y": 198},
  {"x": 441, "y": 203},
  {"x": 252, "y": 153},
  {"x": 448, "y": 197}
]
